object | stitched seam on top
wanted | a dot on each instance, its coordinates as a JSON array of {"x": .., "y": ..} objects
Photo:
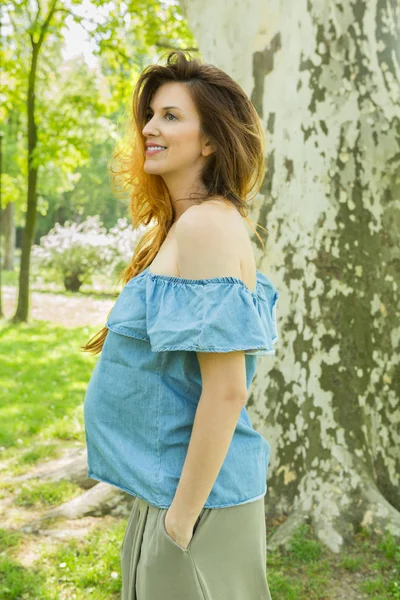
[
  {"x": 228, "y": 279},
  {"x": 127, "y": 332},
  {"x": 211, "y": 348},
  {"x": 158, "y": 475},
  {"x": 191, "y": 348}
]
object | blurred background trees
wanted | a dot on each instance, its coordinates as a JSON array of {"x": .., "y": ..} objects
[{"x": 61, "y": 118}]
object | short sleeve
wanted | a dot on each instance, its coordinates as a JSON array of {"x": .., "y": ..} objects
[{"x": 211, "y": 315}]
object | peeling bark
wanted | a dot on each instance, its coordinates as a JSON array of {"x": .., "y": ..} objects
[{"x": 325, "y": 79}]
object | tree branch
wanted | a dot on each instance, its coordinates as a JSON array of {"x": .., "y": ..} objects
[
  {"x": 47, "y": 22},
  {"x": 38, "y": 12},
  {"x": 161, "y": 45}
]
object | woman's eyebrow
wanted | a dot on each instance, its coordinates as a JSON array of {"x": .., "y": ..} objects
[{"x": 167, "y": 107}]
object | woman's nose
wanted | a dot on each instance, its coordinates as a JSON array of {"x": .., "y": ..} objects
[{"x": 150, "y": 128}]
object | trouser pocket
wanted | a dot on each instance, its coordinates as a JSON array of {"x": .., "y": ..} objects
[
  {"x": 199, "y": 518},
  {"x": 198, "y": 523},
  {"x": 166, "y": 570}
]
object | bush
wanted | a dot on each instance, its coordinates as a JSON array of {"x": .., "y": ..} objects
[{"x": 79, "y": 250}]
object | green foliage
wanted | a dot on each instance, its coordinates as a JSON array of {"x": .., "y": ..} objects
[{"x": 78, "y": 108}]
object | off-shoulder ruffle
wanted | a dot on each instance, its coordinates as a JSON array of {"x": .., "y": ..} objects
[{"x": 220, "y": 314}]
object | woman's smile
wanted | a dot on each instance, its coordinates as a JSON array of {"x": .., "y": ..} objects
[{"x": 154, "y": 150}]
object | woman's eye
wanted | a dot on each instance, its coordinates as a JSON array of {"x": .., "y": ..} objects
[{"x": 168, "y": 114}]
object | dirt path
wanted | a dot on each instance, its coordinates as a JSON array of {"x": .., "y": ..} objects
[{"x": 69, "y": 311}]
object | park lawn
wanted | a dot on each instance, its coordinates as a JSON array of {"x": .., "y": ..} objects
[{"x": 43, "y": 376}]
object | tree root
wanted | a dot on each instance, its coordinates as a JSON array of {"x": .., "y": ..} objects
[
  {"x": 285, "y": 532},
  {"x": 71, "y": 467},
  {"x": 102, "y": 499},
  {"x": 336, "y": 517}
]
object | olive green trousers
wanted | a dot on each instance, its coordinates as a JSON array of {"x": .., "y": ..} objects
[{"x": 225, "y": 560}]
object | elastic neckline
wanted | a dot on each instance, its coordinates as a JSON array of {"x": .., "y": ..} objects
[{"x": 224, "y": 279}]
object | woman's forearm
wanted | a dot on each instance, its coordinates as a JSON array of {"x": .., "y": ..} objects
[{"x": 213, "y": 428}]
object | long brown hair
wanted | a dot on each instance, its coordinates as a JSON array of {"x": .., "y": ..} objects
[{"x": 234, "y": 172}]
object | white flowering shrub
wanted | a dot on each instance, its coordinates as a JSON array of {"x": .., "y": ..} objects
[
  {"x": 123, "y": 240},
  {"x": 79, "y": 250}
]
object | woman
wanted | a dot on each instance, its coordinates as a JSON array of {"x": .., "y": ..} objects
[{"x": 165, "y": 412}]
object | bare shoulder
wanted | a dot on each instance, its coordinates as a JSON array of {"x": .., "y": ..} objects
[
  {"x": 207, "y": 242},
  {"x": 211, "y": 213},
  {"x": 216, "y": 236}
]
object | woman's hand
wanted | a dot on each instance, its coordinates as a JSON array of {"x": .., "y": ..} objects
[{"x": 181, "y": 533}]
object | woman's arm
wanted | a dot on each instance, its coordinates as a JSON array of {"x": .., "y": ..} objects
[
  {"x": 202, "y": 253},
  {"x": 214, "y": 424}
]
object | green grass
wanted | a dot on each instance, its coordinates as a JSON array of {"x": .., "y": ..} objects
[
  {"x": 77, "y": 568},
  {"x": 38, "y": 453},
  {"x": 307, "y": 568},
  {"x": 90, "y": 568},
  {"x": 44, "y": 377},
  {"x": 33, "y": 493},
  {"x": 17, "y": 582}
]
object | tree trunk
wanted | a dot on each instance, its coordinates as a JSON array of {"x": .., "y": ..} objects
[
  {"x": 9, "y": 236},
  {"x": 22, "y": 311},
  {"x": 324, "y": 78}
]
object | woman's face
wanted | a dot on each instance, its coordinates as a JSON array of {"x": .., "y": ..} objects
[{"x": 174, "y": 123}]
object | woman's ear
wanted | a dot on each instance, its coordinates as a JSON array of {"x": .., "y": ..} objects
[{"x": 207, "y": 148}]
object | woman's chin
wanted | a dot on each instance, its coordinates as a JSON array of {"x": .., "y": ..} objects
[{"x": 152, "y": 169}]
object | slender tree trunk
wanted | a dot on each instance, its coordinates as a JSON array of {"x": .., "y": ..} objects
[
  {"x": 22, "y": 311},
  {"x": 9, "y": 236},
  {"x": 324, "y": 77}
]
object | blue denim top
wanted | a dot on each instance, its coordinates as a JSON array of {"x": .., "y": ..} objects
[{"x": 142, "y": 397}]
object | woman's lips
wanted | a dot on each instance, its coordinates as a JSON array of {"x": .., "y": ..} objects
[{"x": 151, "y": 150}]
